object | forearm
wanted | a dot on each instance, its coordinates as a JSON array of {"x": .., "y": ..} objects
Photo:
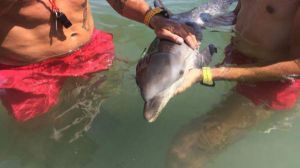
[
  {"x": 132, "y": 9},
  {"x": 277, "y": 71}
]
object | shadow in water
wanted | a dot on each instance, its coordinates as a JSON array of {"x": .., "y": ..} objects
[
  {"x": 81, "y": 103},
  {"x": 208, "y": 135},
  {"x": 59, "y": 139}
]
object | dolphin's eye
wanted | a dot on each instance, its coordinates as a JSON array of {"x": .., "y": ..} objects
[
  {"x": 181, "y": 72},
  {"x": 205, "y": 17}
]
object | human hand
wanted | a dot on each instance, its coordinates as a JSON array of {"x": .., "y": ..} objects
[
  {"x": 190, "y": 78},
  {"x": 173, "y": 31}
]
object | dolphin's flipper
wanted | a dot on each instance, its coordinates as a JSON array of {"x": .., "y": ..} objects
[{"x": 205, "y": 56}]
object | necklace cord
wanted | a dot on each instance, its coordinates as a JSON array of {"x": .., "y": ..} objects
[{"x": 54, "y": 7}]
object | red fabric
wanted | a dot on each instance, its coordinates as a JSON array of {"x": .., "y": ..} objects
[
  {"x": 276, "y": 95},
  {"x": 31, "y": 90}
]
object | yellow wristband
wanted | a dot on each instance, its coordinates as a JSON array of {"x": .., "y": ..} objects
[
  {"x": 150, "y": 14},
  {"x": 207, "y": 76}
]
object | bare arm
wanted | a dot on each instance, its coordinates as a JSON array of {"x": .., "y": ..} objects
[
  {"x": 132, "y": 9},
  {"x": 276, "y": 71},
  {"x": 164, "y": 28}
]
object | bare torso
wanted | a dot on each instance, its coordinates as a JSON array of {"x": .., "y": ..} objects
[
  {"x": 27, "y": 31},
  {"x": 28, "y": 34},
  {"x": 264, "y": 28}
]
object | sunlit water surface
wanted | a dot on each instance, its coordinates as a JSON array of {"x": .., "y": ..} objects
[{"x": 103, "y": 126}]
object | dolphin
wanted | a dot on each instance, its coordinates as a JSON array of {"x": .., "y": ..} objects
[{"x": 162, "y": 70}]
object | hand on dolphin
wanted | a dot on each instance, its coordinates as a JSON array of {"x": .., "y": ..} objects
[
  {"x": 191, "y": 77},
  {"x": 174, "y": 31},
  {"x": 169, "y": 68}
]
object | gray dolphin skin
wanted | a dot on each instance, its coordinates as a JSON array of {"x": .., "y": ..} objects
[{"x": 162, "y": 70}]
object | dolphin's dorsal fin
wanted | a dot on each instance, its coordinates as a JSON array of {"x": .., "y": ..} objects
[
  {"x": 223, "y": 5},
  {"x": 226, "y": 19},
  {"x": 158, "y": 4}
]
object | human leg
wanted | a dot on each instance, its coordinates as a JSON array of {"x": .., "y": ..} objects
[{"x": 207, "y": 135}]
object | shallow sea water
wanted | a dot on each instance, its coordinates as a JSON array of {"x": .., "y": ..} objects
[{"x": 99, "y": 123}]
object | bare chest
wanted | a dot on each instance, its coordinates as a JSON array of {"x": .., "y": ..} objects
[
  {"x": 266, "y": 24},
  {"x": 38, "y": 9},
  {"x": 274, "y": 9}
]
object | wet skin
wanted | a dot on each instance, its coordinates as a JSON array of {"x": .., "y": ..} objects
[
  {"x": 266, "y": 30},
  {"x": 28, "y": 34}
]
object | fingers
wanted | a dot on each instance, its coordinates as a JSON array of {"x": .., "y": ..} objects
[
  {"x": 190, "y": 39},
  {"x": 178, "y": 33},
  {"x": 166, "y": 34}
]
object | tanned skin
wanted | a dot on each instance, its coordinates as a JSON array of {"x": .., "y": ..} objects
[
  {"x": 28, "y": 35},
  {"x": 164, "y": 28},
  {"x": 267, "y": 31}
]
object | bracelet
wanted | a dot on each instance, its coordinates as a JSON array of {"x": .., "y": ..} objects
[
  {"x": 207, "y": 77},
  {"x": 150, "y": 14}
]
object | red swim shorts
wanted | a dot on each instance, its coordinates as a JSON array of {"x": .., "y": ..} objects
[
  {"x": 31, "y": 90},
  {"x": 275, "y": 95}
]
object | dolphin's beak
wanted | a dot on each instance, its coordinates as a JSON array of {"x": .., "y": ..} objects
[
  {"x": 150, "y": 113},
  {"x": 152, "y": 109}
]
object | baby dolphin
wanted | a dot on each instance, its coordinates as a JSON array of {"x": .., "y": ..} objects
[{"x": 162, "y": 70}]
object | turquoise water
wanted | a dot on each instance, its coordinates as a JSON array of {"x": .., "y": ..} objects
[{"x": 102, "y": 126}]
